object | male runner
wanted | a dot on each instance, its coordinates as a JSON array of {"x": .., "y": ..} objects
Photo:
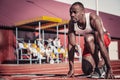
[{"x": 96, "y": 38}]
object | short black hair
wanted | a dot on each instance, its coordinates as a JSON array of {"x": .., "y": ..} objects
[{"x": 78, "y": 3}]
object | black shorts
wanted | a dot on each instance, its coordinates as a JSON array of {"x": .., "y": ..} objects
[{"x": 87, "y": 67}]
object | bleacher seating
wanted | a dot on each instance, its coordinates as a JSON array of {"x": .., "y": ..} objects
[{"x": 37, "y": 52}]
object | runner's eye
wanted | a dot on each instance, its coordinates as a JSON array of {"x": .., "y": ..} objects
[
  {"x": 74, "y": 12},
  {"x": 71, "y": 12}
]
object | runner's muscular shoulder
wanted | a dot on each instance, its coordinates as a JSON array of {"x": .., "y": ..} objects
[
  {"x": 95, "y": 21},
  {"x": 97, "y": 25}
]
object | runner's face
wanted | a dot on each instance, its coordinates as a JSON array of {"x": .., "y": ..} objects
[{"x": 76, "y": 13}]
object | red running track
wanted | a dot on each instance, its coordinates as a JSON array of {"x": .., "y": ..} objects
[{"x": 45, "y": 71}]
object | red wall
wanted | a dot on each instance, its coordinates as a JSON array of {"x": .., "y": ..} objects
[{"x": 7, "y": 45}]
